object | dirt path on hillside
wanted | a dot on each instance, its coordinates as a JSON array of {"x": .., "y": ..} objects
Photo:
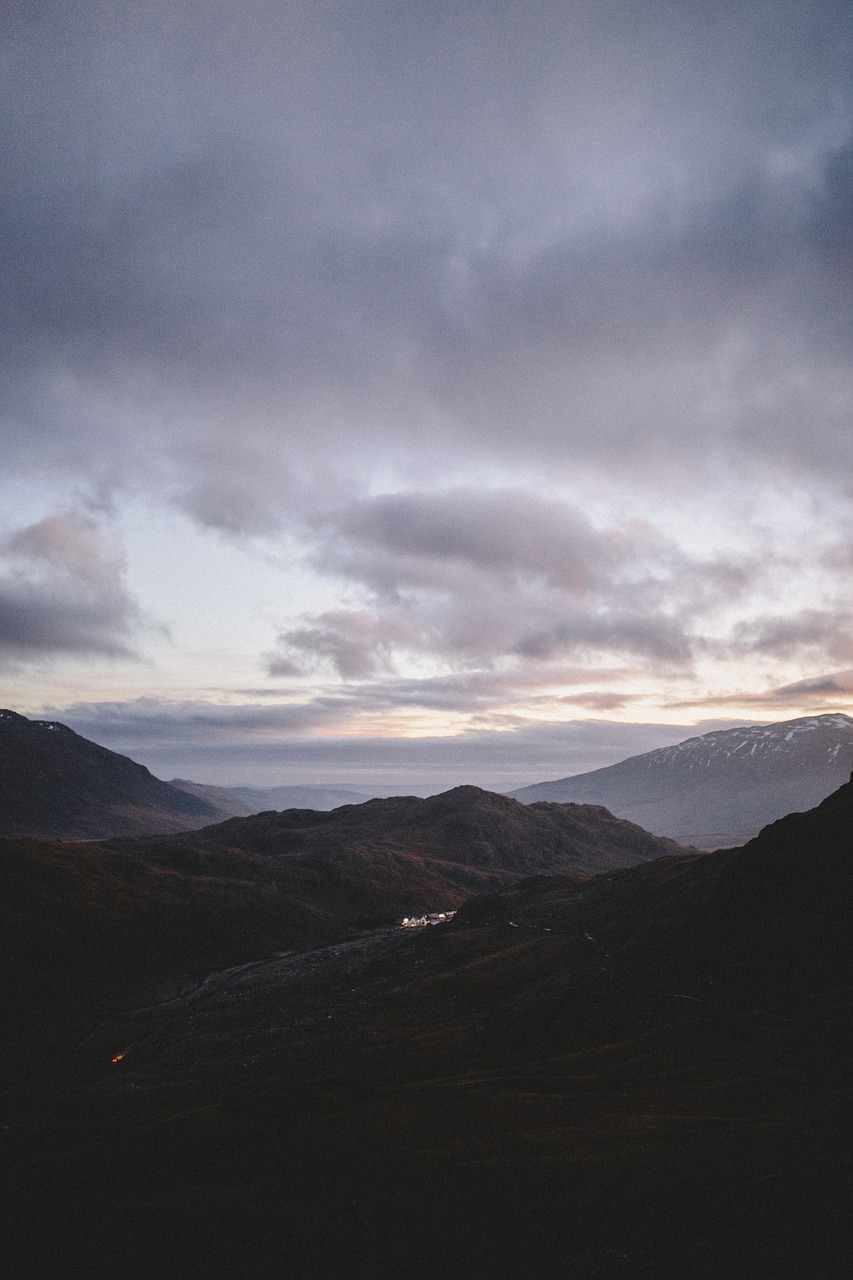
[{"x": 107, "y": 1044}]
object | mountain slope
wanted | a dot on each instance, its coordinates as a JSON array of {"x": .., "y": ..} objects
[
  {"x": 224, "y": 799},
  {"x": 640, "y": 1077},
  {"x": 467, "y": 825},
  {"x": 165, "y": 905},
  {"x": 56, "y": 785},
  {"x": 722, "y": 787}
]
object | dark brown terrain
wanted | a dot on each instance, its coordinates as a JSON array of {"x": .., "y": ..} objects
[
  {"x": 642, "y": 1075},
  {"x": 76, "y": 914},
  {"x": 56, "y": 785}
]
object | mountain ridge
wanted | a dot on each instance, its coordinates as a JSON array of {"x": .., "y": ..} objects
[
  {"x": 721, "y": 787},
  {"x": 246, "y": 887},
  {"x": 55, "y": 784},
  {"x": 639, "y": 1076}
]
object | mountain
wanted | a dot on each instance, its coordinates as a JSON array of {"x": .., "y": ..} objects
[
  {"x": 56, "y": 785},
  {"x": 641, "y": 1076},
  {"x": 227, "y": 803},
  {"x": 241, "y": 801},
  {"x": 721, "y": 788},
  {"x": 466, "y": 825},
  {"x": 140, "y": 909}
]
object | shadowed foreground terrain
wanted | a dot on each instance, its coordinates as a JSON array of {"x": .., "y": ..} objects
[{"x": 642, "y": 1075}]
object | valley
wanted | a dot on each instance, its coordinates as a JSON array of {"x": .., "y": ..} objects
[
  {"x": 247, "y": 1049},
  {"x": 642, "y": 1073}
]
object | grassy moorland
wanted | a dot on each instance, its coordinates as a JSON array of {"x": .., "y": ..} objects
[{"x": 644, "y": 1074}]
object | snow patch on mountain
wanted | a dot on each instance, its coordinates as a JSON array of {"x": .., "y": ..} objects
[{"x": 762, "y": 741}]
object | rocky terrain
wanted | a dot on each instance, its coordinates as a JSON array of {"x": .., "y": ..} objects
[
  {"x": 465, "y": 825},
  {"x": 721, "y": 788},
  {"x": 640, "y": 1075}
]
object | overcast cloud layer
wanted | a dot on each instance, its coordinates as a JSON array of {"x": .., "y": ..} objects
[{"x": 508, "y": 344}]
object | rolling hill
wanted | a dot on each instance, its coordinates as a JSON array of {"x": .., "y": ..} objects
[{"x": 140, "y": 909}]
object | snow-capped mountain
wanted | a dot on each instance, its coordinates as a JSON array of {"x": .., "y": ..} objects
[{"x": 722, "y": 787}]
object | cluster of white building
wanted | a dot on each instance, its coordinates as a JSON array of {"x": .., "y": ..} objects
[{"x": 434, "y": 917}]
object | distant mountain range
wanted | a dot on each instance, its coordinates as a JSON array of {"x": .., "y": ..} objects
[
  {"x": 57, "y": 785},
  {"x": 236, "y": 802},
  {"x": 721, "y": 788}
]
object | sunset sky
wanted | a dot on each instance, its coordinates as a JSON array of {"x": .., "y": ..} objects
[{"x": 401, "y": 395}]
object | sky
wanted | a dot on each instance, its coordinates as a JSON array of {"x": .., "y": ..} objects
[{"x": 398, "y": 396}]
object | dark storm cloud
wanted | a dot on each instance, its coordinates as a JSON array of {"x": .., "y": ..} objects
[
  {"x": 62, "y": 591},
  {"x": 358, "y": 643},
  {"x": 220, "y": 744},
  {"x": 424, "y": 540},
  {"x": 249, "y": 255}
]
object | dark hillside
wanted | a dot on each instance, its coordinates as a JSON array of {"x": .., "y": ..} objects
[
  {"x": 75, "y": 915},
  {"x": 466, "y": 825},
  {"x": 140, "y": 909},
  {"x": 643, "y": 1076},
  {"x": 56, "y": 785}
]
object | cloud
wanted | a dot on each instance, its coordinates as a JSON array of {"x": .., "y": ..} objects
[
  {"x": 224, "y": 743},
  {"x": 833, "y": 219},
  {"x": 525, "y": 327},
  {"x": 62, "y": 591},
  {"x": 480, "y": 577},
  {"x": 249, "y": 264},
  {"x": 429, "y": 540},
  {"x": 819, "y": 686},
  {"x": 825, "y": 632}
]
